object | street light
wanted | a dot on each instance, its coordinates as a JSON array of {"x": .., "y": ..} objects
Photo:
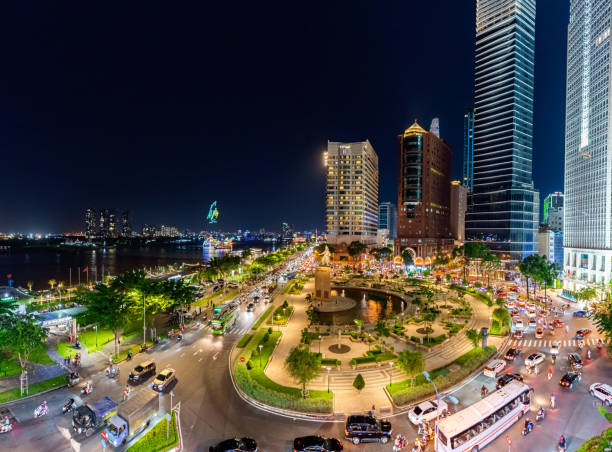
[
  {"x": 319, "y": 344},
  {"x": 450, "y": 397},
  {"x": 260, "y": 347},
  {"x": 328, "y": 370},
  {"x": 390, "y": 373}
]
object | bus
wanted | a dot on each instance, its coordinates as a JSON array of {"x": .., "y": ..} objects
[
  {"x": 472, "y": 428},
  {"x": 224, "y": 317}
]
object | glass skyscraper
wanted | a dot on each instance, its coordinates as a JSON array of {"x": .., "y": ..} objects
[
  {"x": 503, "y": 208},
  {"x": 468, "y": 149},
  {"x": 588, "y": 151}
]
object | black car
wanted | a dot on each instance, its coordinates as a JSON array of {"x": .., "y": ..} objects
[
  {"x": 366, "y": 429},
  {"x": 235, "y": 445},
  {"x": 507, "y": 378},
  {"x": 574, "y": 360},
  {"x": 316, "y": 444},
  {"x": 141, "y": 372},
  {"x": 569, "y": 379},
  {"x": 512, "y": 354}
]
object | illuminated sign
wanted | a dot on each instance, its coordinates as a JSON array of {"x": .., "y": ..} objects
[{"x": 213, "y": 213}]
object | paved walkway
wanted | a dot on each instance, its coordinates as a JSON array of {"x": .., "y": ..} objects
[{"x": 340, "y": 380}]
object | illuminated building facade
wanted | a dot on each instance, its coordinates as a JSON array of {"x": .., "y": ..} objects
[
  {"x": 468, "y": 149},
  {"x": 423, "y": 195},
  {"x": 588, "y": 151},
  {"x": 352, "y": 193},
  {"x": 503, "y": 208},
  {"x": 387, "y": 218},
  {"x": 553, "y": 211}
]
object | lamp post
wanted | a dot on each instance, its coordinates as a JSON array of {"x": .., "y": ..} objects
[
  {"x": 260, "y": 347},
  {"x": 328, "y": 370},
  {"x": 319, "y": 344},
  {"x": 451, "y": 398},
  {"x": 390, "y": 373}
]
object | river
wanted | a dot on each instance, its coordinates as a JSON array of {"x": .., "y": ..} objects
[{"x": 39, "y": 265}]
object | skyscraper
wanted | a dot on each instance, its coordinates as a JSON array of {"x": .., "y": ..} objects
[
  {"x": 387, "y": 218},
  {"x": 423, "y": 195},
  {"x": 352, "y": 192},
  {"x": 504, "y": 207},
  {"x": 468, "y": 149},
  {"x": 553, "y": 211},
  {"x": 587, "y": 243}
]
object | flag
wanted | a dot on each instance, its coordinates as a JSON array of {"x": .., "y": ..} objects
[{"x": 85, "y": 270}]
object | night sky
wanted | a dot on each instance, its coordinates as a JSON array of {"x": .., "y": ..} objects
[{"x": 162, "y": 108}]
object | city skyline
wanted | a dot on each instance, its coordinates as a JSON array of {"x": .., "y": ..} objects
[{"x": 113, "y": 124}]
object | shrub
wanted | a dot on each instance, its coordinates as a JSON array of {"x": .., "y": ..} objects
[
  {"x": 415, "y": 339},
  {"x": 244, "y": 340},
  {"x": 359, "y": 382},
  {"x": 249, "y": 364},
  {"x": 265, "y": 338},
  {"x": 270, "y": 330}
]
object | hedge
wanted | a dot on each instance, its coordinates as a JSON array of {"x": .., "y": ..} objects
[
  {"x": 330, "y": 362},
  {"x": 373, "y": 356},
  {"x": 155, "y": 439},
  {"x": 262, "y": 318},
  {"x": 257, "y": 385},
  {"x": 403, "y": 392},
  {"x": 244, "y": 340},
  {"x": 599, "y": 443}
]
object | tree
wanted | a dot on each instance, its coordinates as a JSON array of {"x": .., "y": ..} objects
[
  {"x": 356, "y": 249},
  {"x": 359, "y": 382},
  {"x": 303, "y": 366},
  {"x": 107, "y": 306},
  {"x": 459, "y": 256},
  {"x": 586, "y": 294},
  {"x": 411, "y": 362},
  {"x": 474, "y": 336},
  {"x": 383, "y": 254},
  {"x": 407, "y": 257},
  {"x": 246, "y": 253},
  {"x": 502, "y": 316},
  {"x": 21, "y": 335},
  {"x": 601, "y": 313},
  {"x": 527, "y": 268},
  {"x": 52, "y": 283},
  {"x": 490, "y": 262}
]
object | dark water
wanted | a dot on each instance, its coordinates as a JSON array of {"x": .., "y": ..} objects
[
  {"x": 371, "y": 308},
  {"x": 42, "y": 264}
]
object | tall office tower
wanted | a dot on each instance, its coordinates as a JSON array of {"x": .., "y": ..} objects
[
  {"x": 587, "y": 243},
  {"x": 423, "y": 195},
  {"x": 553, "y": 211},
  {"x": 352, "y": 192},
  {"x": 91, "y": 222},
  {"x": 468, "y": 149},
  {"x": 458, "y": 208},
  {"x": 126, "y": 224},
  {"x": 503, "y": 209},
  {"x": 387, "y": 218}
]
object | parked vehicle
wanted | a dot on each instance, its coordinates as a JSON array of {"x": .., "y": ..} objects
[
  {"x": 93, "y": 416},
  {"x": 235, "y": 445},
  {"x": 132, "y": 417},
  {"x": 494, "y": 368},
  {"x": 367, "y": 429},
  {"x": 427, "y": 411},
  {"x": 141, "y": 372},
  {"x": 316, "y": 444},
  {"x": 602, "y": 392},
  {"x": 164, "y": 379}
]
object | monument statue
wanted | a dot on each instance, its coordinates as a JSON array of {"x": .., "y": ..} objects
[{"x": 325, "y": 257}]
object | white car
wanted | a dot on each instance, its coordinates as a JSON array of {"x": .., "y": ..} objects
[
  {"x": 602, "y": 391},
  {"x": 534, "y": 359},
  {"x": 427, "y": 411},
  {"x": 518, "y": 324},
  {"x": 554, "y": 349},
  {"x": 494, "y": 368}
]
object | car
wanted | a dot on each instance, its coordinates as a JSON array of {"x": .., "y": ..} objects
[
  {"x": 141, "y": 372},
  {"x": 582, "y": 333},
  {"x": 539, "y": 333},
  {"x": 533, "y": 323},
  {"x": 518, "y": 334},
  {"x": 512, "y": 354},
  {"x": 574, "y": 360},
  {"x": 531, "y": 313},
  {"x": 494, "y": 368},
  {"x": 250, "y": 307},
  {"x": 580, "y": 314},
  {"x": 534, "y": 359},
  {"x": 164, "y": 379},
  {"x": 507, "y": 378},
  {"x": 518, "y": 324},
  {"x": 316, "y": 444},
  {"x": 558, "y": 323},
  {"x": 570, "y": 379},
  {"x": 554, "y": 348},
  {"x": 602, "y": 392},
  {"x": 515, "y": 313},
  {"x": 427, "y": 411},
  {"x": 235, "y": 445},
  {"x": 367, "y": 429}
]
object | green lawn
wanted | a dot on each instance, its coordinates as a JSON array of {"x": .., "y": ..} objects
[
  {"x": 281, "y": 315},
  {"x": 88, "y": 338},
  {"x": 14, "y": 394},
  {"x": 155, "y": 439},
  {"x": 65, "y": 349},
  {"x": 40, "y": 356},
  {"x": 256, "y": 384},
  {"x": 8, "y": 366},
  {"x": 244, "y": 340}
]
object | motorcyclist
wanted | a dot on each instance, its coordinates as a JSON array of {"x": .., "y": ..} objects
[
  {"x": 589, "y": 353},
  {"x": 483, "y": 391},
  {"x": 550, "y": 372},
  {"x": 541, "y": 413},
  {"x": 6, "y": 422},
  {"x": 599, "y": 343},
  {"x": 562, "y": 442},
  {"x": 528, "y": 425}
]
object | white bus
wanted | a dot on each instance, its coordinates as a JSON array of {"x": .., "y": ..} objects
[{"x": 472, "y": 428}]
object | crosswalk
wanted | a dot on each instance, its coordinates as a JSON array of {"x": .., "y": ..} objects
[{"x": 548, "y": 343}]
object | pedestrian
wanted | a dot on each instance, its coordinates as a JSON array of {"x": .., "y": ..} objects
[{"x": 373, "y": 411}]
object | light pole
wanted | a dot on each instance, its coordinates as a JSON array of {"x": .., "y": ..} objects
[
  {"x": 319, "y": 344},
  {"x": 451, "y": 398},
  {"x": 328, "y": 370},
  {"x": 260, "y": 347},
  {"x": 390, "y": 373}
]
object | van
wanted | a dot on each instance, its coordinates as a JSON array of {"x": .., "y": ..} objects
[{"x": 494, "y": 368}]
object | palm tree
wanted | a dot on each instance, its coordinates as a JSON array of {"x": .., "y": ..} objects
[
  {"x": 407, "y": 257},
  {"x": 52, "y": 283}
]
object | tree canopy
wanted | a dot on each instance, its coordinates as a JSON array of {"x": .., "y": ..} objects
[
  {"x": 411, "y": 362},
  {"x": 303, "y": 366}
]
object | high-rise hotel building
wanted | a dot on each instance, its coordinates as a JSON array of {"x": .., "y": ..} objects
[
  {"x": 587, "y": 242},
  {"x": 352, "y": 193},
  {"x": 503, "y": 208}
]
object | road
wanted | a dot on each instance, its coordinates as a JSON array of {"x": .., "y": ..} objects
[{"x": 212, "y": 411}]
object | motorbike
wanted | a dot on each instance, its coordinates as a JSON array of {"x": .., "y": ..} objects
[
  {"x": 5, "y": 428},
  {"x": 549, "y": 374},
  {"x": 41, "y": 410},
  {"x": 129, "y": 356},
  {"x": 68, "y": 406},
  {"x": 528, "y": 428},
  {"x": 540, "y": 415},
  {"x": 179, "y": 338},
  {"x": 112, "y": 372},
  {"x": 554, "y": 358},
  {"x": 87, "y": 389}
]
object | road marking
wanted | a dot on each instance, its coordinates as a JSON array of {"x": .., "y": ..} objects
[
  {"x": 573, "y": 343},
  {"x": 215, "y": 355},
  {"x": 200, "y": 360}
]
